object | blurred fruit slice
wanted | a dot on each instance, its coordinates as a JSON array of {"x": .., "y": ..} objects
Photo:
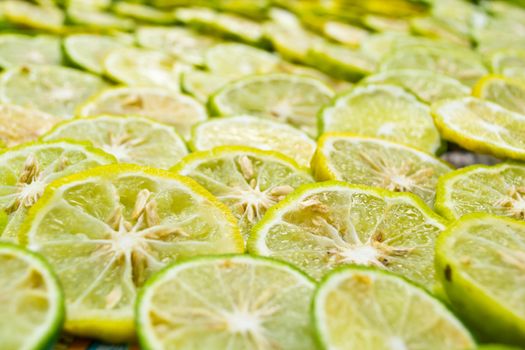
[
  {"x": 143, "y": 13},
  {"x": 509, "y": 62},
  {"x": 506, "y": 92},
  {"x": 19, "y": 125},
  {"x": 25, "y": 14},
  {"x": 98, "y": 20},
  {"x": 345, "y": 33},
  {"x": 17, "y": 49},
  {"x": 386, "y": 24},
  {"x": 202, "y": 84}
]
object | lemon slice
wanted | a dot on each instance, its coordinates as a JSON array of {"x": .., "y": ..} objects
[
  {"x": 23, "y": 13},
  {"x": 509, "y": 62},
  {"x": 324, "y": 225},
  {"x": 32, "y": 305},
  {"x": 481, "y": 126},
  {"x": 202, "y": 84},
  {"x": 249, "y": 181},
  {"x": 26, "y": 170},
  {"x": 168, "y": 107},
  {"x": 254, "y": 132},
  {"x": 282, "y": 97},
  {"x": 50, "y": 89},
  {"x": 16, "y": 49},
  {"x": 107, "y": 230},
  {"x": 357, "y": 308},
  {"x": 384, "y": 111},
  {"x": 506, "y": 92},
  {"x": 379, "y": 163},
  {"x": 98, "y": 20},
  {"x": 142, "y": 12},
  {"x": 479, "y": 260},
  {"x": 231, "y": 302},
  {"x": 19, "y": 125}
]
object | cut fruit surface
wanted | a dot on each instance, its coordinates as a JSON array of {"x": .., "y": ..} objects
[
  {"x": 506, "y": 92},
  {"x": 509, "y": 62},
  {"x": 19, "y": 125},
  {"x": 25, "y": 14},
  {"x": 97, "y": 20},
  {"x": 16, "y": 49},
  {"x": 202, "y": 84}
]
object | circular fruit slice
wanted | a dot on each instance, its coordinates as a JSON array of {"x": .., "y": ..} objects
[
  {"x": 254, "y": 132},
  {"x": 51, "y": 89},
  {"x": 25, "y": 14},
  {"x": 32, "y": 305},
  {"x": 19, "y": 125},
  {"x": 143, "y": 13},
  {"x": 98, "y": 20},
  {"x": 345, "y": 33},
  {"x": 89, "y": 50},
  {"x": 249, "y": 181},
  {"x": 230, "y": 302},
  {"x": 509, "y": 62},
  {"x": 168, "y": 107},
  {"x": 16, "y": 49},
  {"x": 366, "y": 309},
  {"x": 26, "y": 170},
  {"x": 130, "y": 139},
  {"x": 480, "y": 261},
  {"x": 379, "y": 163},
  {"x": 202, "y": 84},
  {"x": 481, "y": 126},
  {"x": 506, "y": 92},
  {"x": 324, "y": 225},
  {"x": 282, "y": 97},
  {"x": 498, "y": 189},
  {"x": 107, "y": 230},
  {"x": 428, "y": 86},
  {"x": 383, "y": 111}
]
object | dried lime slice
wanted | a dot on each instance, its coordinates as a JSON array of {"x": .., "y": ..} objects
[
  {"x": 438, "y": 28},
  {"x": 105, "y": 231},
  {"x": 25, "y": 14},
  {"x": 143, "y": 13},
  {"x": 98, "y": 20},
  {"x": 16, "y": 49},
  {"x": 509, "y": 62},
  {"x": 345, "y": 33},
  {"x": 506, "y": 92},
  {"x": 202, "y": 84},
  {"x": 19, "y": 125},
  {"x": 386, "y": 24}
]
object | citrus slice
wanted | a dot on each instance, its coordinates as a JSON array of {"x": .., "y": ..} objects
[
  {"x": 282, "y": 97},
  {"x": 253, "y": 132},
  {"x": 438, "y": 28},
  {"x": 51, "y": 89},
  {"x": 89, "y": 50},
  {"x": 202, "y": 84},
  {"x": 481, "y": 126},
  {"x": 384, "y": 111},
  {"x": 324, "y": 225},
  {"x": 16, "y": 49},
  {"x": 480, "y": 261},
  {"x": 98, "y": 20},
  {"x": 366, "y": 309},
  {"x": 25, "y": 14},
  {"x": 19, "y": 125},
  {"x": 345, "y": 33},
  {"x": 143, "y": 13},
  {"x": 32, "y": 305},
  {"x": 168, "y": 107},
  {"x": 509, "y": 62},
  {"x": 249, "y": 181},
  {"x": 379, "y": 163},
  {"x": 386, "y": 24},
  {"x": 107, "y": 230},
  {"x": 26, "y": 170},
  {"x": 231, "y": 302},
  {"x": 130, "y": 139},
  {"x": 506, "y": 92},
  {"x": 428, "y": 86}
]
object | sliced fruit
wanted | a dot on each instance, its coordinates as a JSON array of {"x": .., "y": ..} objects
[
  {"x": 25, "y": 14},
  {"x": 230, "y": 302},
  {"x": 168, "y": 107},
  {"x": 98, "y": 20},
  {"x": 506, "y": 92},
  {"x": 379, "y": 163},
  {"x": 19, "y": 125},
  {"x": 345, "y": 33},
  {"x": 428, "y": 86},
  {"x": 107, "y": 230},
  {"x": 254, "y": 132},
  {"x": 283, "y": 97},
  {"x": 366, "y": 309},
  {"x": 509, "y": 62},
  {"x": 51, "y": 89},
  {"x": 480, "y": 261},
  {"x": 386, "y": 24},
  {"x": 16, "y": 49},
  {"x": 142, "y": 12},
  {"x": 438, "y": 28},
  {"x": 26, "y": 170},
  {"x": 202, "y": 84},
  {"x": 324, "y": 225},
  {"x": 249, "y": 181},
  {"x": 384, "y": 111},
  {"x": 481, "y": 126},
  {"x": 32, "y": 305}
]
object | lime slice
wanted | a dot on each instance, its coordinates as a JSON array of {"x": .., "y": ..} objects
[
  {"x": 139, "y": 67},
  {"x": 282, "y": 97},
  {"x": 249, "y": 181},
  {"x": 426, "y": 85},
  {"x": 130, "y": 139},
  {"x": 89, "y": 50},
  {"x": 357, "y": 308},
  {"x": 383, "y": 111},
  {"x": 509, "y": 62},
  {"x": 379, "y": 163},
  {"x": 481, "y": 126},
  {"x": 16, "y": 49},
  {"x": 438, "y": 28},
  {"x": 336, "y": 84},
  {"x": 232, "y": 302},
  {"x": 26, "y": 171},
  {"x": 506, "y": 92},
  {"x": 253, "y": 132},
  {"x": 345, "y": 33},
  {"x": 480, "y": 261},
  {"x": 386, "y": 24},
  {"x": 143, "y": 13},
  {"x": 51, "y": 89},
  {"x": 32, "y": 305},
  {"x": 171, "y": 108},
  {"x": 33, "y": 16},
  {"x": 202, "y": 84},
  {"x": 107, "y": 230},
  {"x": 98, "y": 20},
  {"x": 325, "y": 225},
  {"x": 19, "y": 125}
]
